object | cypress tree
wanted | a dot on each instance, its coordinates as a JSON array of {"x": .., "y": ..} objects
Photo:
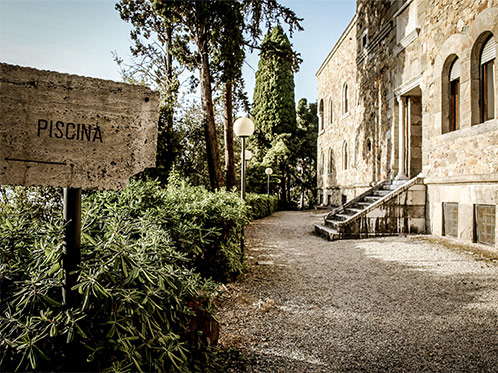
[
  {"x": 274, "y": 107},
  {"x": 274, "y": 110}
]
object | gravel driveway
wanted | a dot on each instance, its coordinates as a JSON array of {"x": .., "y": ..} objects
[{"x": 397, "y": 304}]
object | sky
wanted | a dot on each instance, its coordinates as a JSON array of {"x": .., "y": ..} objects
[{"x": 78, "y": 37}]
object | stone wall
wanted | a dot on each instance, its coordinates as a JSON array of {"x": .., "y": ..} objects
[
  {"x": 402, "y": 51},
  {"x": 364, "y": 57},
  {"x": 338, "y": 129},
  {"x": 460, "y": 166}
]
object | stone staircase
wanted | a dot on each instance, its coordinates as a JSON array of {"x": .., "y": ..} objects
[{"x": 385, "y": 209}]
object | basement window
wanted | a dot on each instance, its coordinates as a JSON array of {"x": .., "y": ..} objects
[
  {"x": 450, "y": 219},
  {"x": 484, "y": 223}
]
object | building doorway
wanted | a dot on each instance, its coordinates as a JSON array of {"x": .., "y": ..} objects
[
  {"x": 409, "y": 133},
  {"x": 414, "y": 128}
]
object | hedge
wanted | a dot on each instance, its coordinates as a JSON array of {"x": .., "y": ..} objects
[
  {"x": 150, "y": 259},
  {"x": 261, "y": 205}
]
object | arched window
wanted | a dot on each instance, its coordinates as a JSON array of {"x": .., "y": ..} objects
[
  {"x": 331, "y": 161},
  {"x": 320, "y": 115},
  {"x": 487, "y": 79},
  {"x": 368, "y": 146},
  {"x": 345, "y": 156},
  {"x": 331, "y": 111},
  {"x": 454, "y": 95},
  {"x": 321, "y": 163},
  {"x": 345, "y": 98}
]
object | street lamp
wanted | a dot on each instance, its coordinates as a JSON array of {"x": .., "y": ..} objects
[
  {"x": 268, "y": 172},
  {"x": 248, "y": 156},
  {"x": 243, "y": 127}
]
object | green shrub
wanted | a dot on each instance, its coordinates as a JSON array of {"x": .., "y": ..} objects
[
  {"x": 207, "y": 227},
  {"x": 261, "y": 205},
  {"x": 143, "y": 252}
]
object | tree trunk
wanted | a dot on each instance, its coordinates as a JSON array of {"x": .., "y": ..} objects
[
  {"x": 169, "y": 153},
  {"x": 229, "y": 153},
  {"x": 213, "y": 155}
]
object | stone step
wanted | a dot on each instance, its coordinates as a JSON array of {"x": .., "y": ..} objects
[
  {"x": 331, "y": 223},
  {"x": 353, "y": 211},
  {"x": 330, "y": 234},
  {"x": 382, "y": 192},
  {"x": 362, "y": 205},
  {"x": 371, "y": 199},
  {"x": 343, "y": 216}
]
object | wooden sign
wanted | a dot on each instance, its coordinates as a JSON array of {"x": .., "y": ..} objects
[{"x": 65, "y": 130}]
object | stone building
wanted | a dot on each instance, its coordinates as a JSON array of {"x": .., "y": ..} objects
[{"x": 410, "y": 90}]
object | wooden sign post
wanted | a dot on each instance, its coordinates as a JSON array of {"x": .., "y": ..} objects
[
  {"x": 73, "y": 132},
  {"x": 72, "y": 244}
]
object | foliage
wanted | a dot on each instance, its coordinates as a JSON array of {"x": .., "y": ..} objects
[
  {"x": 190, "y": 160},
  {"x": 209, "y": 227},
  {"x": 152, "y": 65},
  {"x": 139, "y": 290},
  {"x": 261, "y": 205},
  {"x": 169, "y": 37},
  {"x": 304, "y": 168},
  {"x": 274, "y": 106},
  {"x": 196, "y": 27}
]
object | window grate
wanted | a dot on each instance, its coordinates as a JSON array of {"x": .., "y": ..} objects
[
  {"x": 485, "y": 222},
  {"x": 450, "y": 219}
]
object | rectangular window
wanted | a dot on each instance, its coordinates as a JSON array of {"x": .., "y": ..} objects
[
  {"x": 488, "y": 91},
  {"x": 454, "y": 105},
  {"x": 450, "y": 219},
  {"x": 485, "y": 221}
]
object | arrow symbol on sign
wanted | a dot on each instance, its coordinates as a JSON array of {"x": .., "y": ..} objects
[{"x": 34, "y": 161}]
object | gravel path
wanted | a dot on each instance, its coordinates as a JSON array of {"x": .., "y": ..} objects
[{"x": 397, "y": 304}]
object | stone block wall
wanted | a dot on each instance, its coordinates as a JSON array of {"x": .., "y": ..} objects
[
  {"x": 336, "y": 165},
  {"x": 402, "y": 49},
  {"x": 460, "y": 166}
]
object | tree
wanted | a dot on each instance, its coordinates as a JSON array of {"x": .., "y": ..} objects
[
  {"x": 191, "y": 160},
  {"x": 197, "y": 25},
  {"x": 228, "y": 58},
  {"x": 305, "y": 164},
  {"x": 152, "y": 65},
  {"x": 208, "y": 36},
  {"x": 274, "y": 108}
]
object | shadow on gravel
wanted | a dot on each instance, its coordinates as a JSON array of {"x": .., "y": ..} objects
[{"x": 397, "y": 304}]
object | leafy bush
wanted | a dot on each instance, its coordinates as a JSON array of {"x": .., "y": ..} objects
[
  {"x": 139, "y": 290},
  {"x": 261, "y": 205},
  {"x": 207, "y": 227}
]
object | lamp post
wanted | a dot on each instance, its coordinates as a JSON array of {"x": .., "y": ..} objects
[
  {"x": 248, "y": 157},
  {"x": 243, "y": 128},
  {"x": 268, "y": 172}
]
